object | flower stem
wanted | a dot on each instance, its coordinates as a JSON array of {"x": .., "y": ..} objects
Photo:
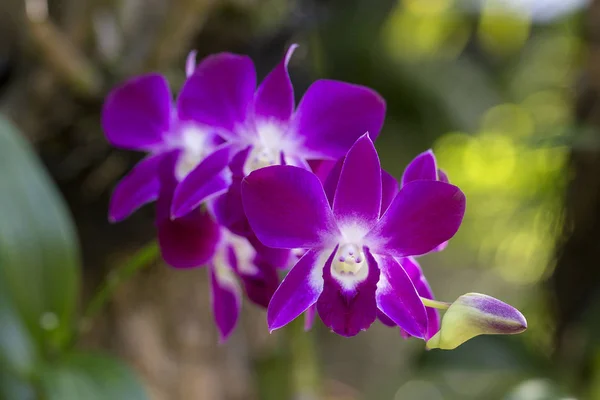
[
  {"x": 440, "y": 305},
  {"x": 142, "y": 258},
  {"x": 306, "y": 382}
]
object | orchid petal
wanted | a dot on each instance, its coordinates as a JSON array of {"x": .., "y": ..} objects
[
  {"x": 225, "y": 299},
  {"x": 299, "y": 290},
  {"x": 331, "y": 182},
  {"x": 423, "y": 167},
  {"x": 209, "y": 178},
  {"x": 274, "y": 98},
  {"x": 389, "y": 190},
  {"x": 347, "y": 311},
  {"x": 332, "y": 115},
  {"x": 137, "y": 114},
  {"x": 384, "y": 319},
  {"x": 185, "y": 242},
  {"x": 358, "y": 194},
  {"x": 414, "y": 271},
  {"x": 322, "y": 169},
  {"x": 261, "y": 284},
  {"x": 422, "y": 216},
  {"x": 398, "y": 299},
  {"x": 442, "y": 176},
  {"x": 287, "y": 208},
  {"x": 139, "y": 187},
  {"x": 219, "y": 93}
]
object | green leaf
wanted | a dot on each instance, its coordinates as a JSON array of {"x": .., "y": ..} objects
[
  {"x": 39, "y": 253},
  {"x": 90, "y": 376},
  {"x": 17, "y": 350},
  {"x": 13, "y": 388}
]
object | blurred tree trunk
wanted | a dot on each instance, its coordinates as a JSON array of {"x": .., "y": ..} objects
[{"x": 575, "y": 282}]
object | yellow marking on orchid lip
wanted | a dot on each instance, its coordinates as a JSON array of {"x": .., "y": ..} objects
[{"x": 440, "y": 305}]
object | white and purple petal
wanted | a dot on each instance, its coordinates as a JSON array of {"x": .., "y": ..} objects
[
  {"x": 287, "y": 208},
  {"x": 397, "y": 297},
  {"x": 299, "y": 290},
  {"x": 139, "y": 187},
  {"x": 423, "y": 215},
  {"x": 137, "y": 114},
  {"x": 185, "y": 242},
  {"x": 332, "y": 115},
  {"x": 211, "y": 177},
  {"x": 414, "y": 271}
]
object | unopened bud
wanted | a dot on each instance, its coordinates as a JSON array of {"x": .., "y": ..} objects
[{"x": 475, "y": 314}]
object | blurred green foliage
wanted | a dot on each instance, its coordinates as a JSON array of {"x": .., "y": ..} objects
[{"x": 39, "y": 291}]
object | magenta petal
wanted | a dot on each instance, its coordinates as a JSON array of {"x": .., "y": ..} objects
[
  {"x": 442, "y": 176},
  {"x": 262, "y": 283},
  {"x": 348, "y": 311},
  {"x": 332, "y": 115},
  {"x": 189, "y": 241},
  {"x": 331, "y": 182},
  {"x": 389, "y": 190},
  {"x": 384, "y": 319},
  {"x": 219, "y": 93},
  {"x": 423, "y": 215},
  {"x": 287, "y": 208},
  {"x": 322, "y": 169},
  {"x": 358, "y": 195},
  {"x": 398, "y": 299},
  {"x": 209, "y": 178},
  {"x": 225, "y": 300},
  {"x": 185, "y": 242},
  {"x": 414, "y": 271},
  {"x": 299, "y": 290},
  {"x": 274, "y": 98},
  {"x": 423, "y": 167},
  {"x": 137, "y": 188},
  {"x": 137, "y": 114}
]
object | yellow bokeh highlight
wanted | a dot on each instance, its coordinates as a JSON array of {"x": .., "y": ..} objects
[
  {"x": 428, "y": 7},
  {"x": 431, "y": 31},
  {"x": 502, "y": 31},
  {"x": 508, "y": 119},
  {"x": 522, "y": 256},
  {"x": 548, "y": 108},
  {"x": 489, "y": 160}
]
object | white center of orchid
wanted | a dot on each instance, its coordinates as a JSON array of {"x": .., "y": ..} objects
[
  {"x": 349, "y": 265},
  {"x": 349, "y": 260},
  {"x": 270, "y": 141},
  {"x": 193, "y": 143}
]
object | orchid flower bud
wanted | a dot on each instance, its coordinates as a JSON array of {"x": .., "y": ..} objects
[{"x": 475, "y": 314}]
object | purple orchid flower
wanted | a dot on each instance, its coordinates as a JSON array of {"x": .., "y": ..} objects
[
  {"x": 140, "y": 115},
  {"x": 264, "y": 125},
  {"x": 422, "y": 167},
  {"x": 197, "y": 239},
  {"x": 350, "y": 270}
]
